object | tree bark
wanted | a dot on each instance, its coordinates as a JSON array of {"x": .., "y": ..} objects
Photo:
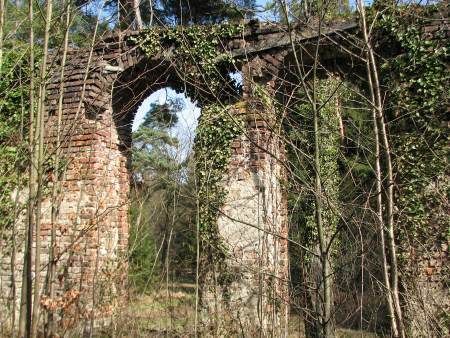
[
  {"x": 130, "y": 14},
  {"x": 137, "y": 14},
  {"x": 391, "y": 283},
  {"x": 56, "y": 183},
  {"x": 26, "y": 294},
  {"x": 40, "y": 128},
  {"x": 152, "y": 12},
  {"x": 326, "y": 321},
  {"x": 2, "y": 21}
]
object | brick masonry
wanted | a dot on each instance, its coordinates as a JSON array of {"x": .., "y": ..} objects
[
  {"x": 253, "y": 228},
  {"x": 102, "y": 89}
]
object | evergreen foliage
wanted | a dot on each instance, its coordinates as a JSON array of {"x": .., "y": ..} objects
[
  {"x": 217, "y": 129},
  {"x": 304, "y": 11},
  {"x": 191, "y": 12},
  {"x": 152, "y": 141},
  {"x": 206, "y": 11},
  {"x": 163, "y": 201},
  {"x": 418, "y": 85}
]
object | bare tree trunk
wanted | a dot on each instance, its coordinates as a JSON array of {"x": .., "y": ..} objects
[
  {"x": 390, "y": 194},
  {"x": 39, "y": 160},
  {"x": 13, "y": 254},
  {"x": 379, "y": 214},
  {"x": 14, "y": 234},
  {"x": 2, "y": 21},
  {"x": 152, "y": 12},
  {"x": 378, "y": 193},
  {"x": 392, "y": 290},
  {"x": 326, "y": 322},
  {"x": 130, "y": 14},
  {"x": 137, "y": 14},
  {"x": 197, "y": 257},
  {"x": 26, "y": 294},
  {"x": 56, "y": 183},
  {"x": 341, "y": 122},
  {"x": 326, "y": 311}
]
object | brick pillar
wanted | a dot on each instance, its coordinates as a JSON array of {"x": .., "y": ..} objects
[
  {"x": 427, "y": 296},
  {"x": 92, "y": 222},
  {"x": 247, "y": 293},
  {"x": 92, "y": 219}
]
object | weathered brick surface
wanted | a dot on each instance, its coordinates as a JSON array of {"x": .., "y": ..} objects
[
  {"x": 101, "y": 93},
  {"x": 98, "y": 106},
  {"x": 253, "y": 299}
]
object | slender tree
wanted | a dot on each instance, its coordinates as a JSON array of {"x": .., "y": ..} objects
[
  {"x": 381, "y": 134},
  {"x": 26, "y": 293},
  {"x": 2, "y": 23},
  {"x": 39, "y": 139},
  {"x": 310, "y": 90},
  {"x": 51, "y": 329}
]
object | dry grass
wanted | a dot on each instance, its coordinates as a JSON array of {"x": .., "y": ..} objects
[
  {"x": 171, "y": 314},
  {"x": 157, "y": 314}
]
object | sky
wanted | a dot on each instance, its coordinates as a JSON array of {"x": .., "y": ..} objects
[{"x": 184, "y": 130}]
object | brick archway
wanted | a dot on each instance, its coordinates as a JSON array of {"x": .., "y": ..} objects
[
  {"x": 92, "y": 224},
  {"x": 101, "y": 90}
]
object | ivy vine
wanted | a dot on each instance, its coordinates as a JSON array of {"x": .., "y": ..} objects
[
  {"x": 418, "y": 85},
  {"x": 216, "y": 130},
  {"x": 197, "y": 50},
  {"x": 327, "y": 91},
  {"x": 14, "y": 86}
]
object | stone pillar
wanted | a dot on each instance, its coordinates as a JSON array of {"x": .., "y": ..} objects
[{"x": 246, "y": 292}]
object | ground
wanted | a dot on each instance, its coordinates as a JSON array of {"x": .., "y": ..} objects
[{"x": 169, "y": 312}]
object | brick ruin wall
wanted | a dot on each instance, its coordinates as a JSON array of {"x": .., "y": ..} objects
[
  {"x": 253, "y": 228},
  {"x": 427, "y": 289},
  {"x": 92, "y": 219},
  {"x": 92, "y": 223},
  {"x": 252, "y": 225}
]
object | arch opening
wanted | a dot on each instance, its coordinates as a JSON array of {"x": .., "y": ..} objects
[
  {"x": 162, "y": 208},
  {"x": 139, "y": 92},
  {"x": 139, "y": 82}
]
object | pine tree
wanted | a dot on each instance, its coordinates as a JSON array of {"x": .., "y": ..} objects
[
  {"x": 180, "y": 12},
  {"x": 152, "y": 142},
  {"x": 304, "y": 10}
]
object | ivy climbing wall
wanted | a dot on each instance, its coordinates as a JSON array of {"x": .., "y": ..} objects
[
  {"x": 243, "y": 214},
  {"x": 245, "y": 275},
  {"x": 95, "y": 103}
]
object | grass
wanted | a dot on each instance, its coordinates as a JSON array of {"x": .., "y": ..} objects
[{"x": 171, "y": 314}]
